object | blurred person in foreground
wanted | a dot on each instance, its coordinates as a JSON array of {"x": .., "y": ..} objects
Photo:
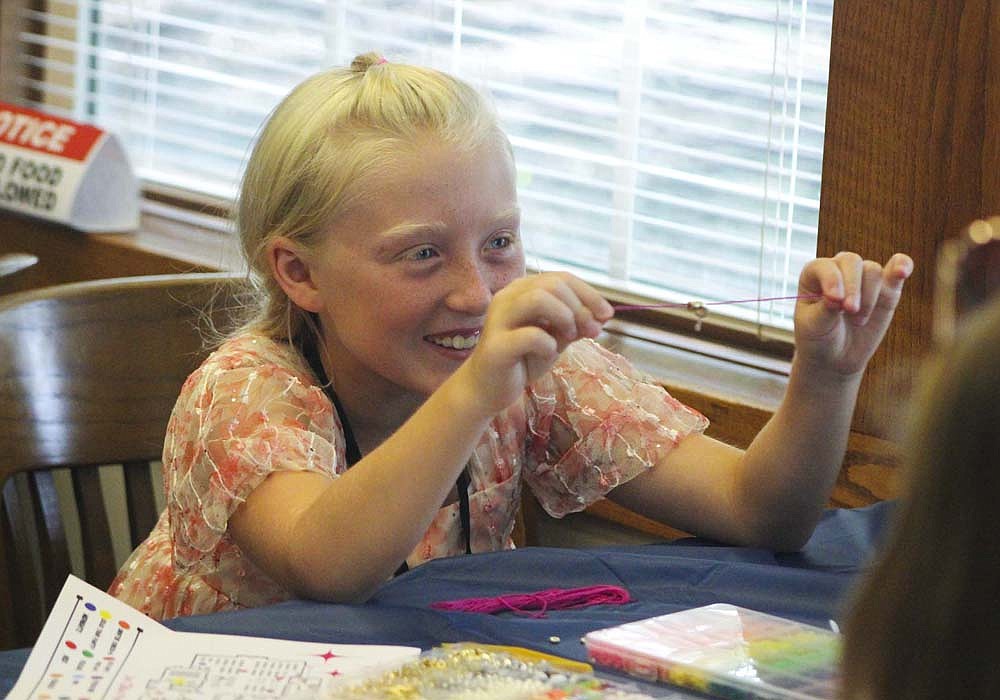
[{"x": 922, "y": 624}]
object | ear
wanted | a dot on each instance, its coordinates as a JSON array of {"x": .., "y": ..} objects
[{"x": 291, "y": 269}]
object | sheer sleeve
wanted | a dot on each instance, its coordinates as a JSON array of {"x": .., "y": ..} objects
[
  {"x": 236, "y": 422},
  {"x": 595, "y": 422}
]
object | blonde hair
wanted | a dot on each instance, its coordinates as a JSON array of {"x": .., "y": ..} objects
[
  {"x": 320, "y": 142},
  {"x": 923, "y": 623}
]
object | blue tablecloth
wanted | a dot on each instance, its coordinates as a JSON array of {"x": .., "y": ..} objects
[{"x": 810, "y": 586}]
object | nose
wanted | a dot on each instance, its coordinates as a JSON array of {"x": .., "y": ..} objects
[{"x": 472, "y": 288}]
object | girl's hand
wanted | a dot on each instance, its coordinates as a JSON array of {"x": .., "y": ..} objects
[
  {"x": 528, "y": 324},
  {"x": 841, "y": 330}
]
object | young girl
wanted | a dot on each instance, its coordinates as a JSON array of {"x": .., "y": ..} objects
[{"x": 403, "y": 377}]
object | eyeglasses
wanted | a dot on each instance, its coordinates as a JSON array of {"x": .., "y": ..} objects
[{"x": 968, "y": 274}]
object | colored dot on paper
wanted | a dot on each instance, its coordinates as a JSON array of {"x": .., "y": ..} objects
[
  {"x": 124, "y": 625},
  {"x": 71, "y": 645},
  {"x": 90, "y": 606},
  {"x": 105, "y": 615},
  {"x": 88, "y": 653}
]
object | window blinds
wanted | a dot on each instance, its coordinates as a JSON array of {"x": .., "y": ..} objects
[{"x": 669, "y": 149}]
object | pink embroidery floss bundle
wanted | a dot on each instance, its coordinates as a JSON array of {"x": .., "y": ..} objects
[{"x": 536, "y": 604}]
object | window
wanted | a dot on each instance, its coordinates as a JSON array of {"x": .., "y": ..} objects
[{"x": 669, "y": 150}]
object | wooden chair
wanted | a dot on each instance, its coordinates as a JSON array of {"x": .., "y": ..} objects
[{"x": 89, "y": 373}]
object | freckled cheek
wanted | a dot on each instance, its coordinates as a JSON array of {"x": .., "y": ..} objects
[
  {"x": 409, "y": 313},
  {"x": 505, "y": 276}
]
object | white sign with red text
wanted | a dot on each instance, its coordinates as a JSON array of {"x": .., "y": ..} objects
[{"x": 65, "y": 171}]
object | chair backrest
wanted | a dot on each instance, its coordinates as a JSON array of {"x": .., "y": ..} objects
[{"x": 89, "y": 373}]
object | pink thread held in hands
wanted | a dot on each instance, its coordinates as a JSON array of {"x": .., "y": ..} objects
[
  {"x": 536, "y": 604},
  {"x": 696, "y": 304}
]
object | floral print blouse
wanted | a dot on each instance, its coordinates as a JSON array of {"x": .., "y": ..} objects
[{"x": 255, "y": 407}]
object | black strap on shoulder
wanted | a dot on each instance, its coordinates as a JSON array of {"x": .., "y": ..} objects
[
  {"x": 353, "y": 454},
  {"x": 351, "y": 450},
  {"x": 463, "y": 507}
]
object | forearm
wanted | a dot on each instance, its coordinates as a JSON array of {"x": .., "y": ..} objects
[
  {"x": 773, "y": 493},
  {"x": 788, "y": 471},
  {"x": 374, "y": 515}
]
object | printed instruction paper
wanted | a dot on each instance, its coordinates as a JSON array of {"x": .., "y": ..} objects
[{"x": 94, "y": 646}]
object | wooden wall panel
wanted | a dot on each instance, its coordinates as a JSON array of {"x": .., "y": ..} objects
[
  {"x": 911, "y": 156},
  {"x": 991, "y": 140},
  {"x": 65, "y": 255}
]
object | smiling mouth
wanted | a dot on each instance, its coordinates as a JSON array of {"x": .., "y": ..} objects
[{"x": 460, "y": 341}]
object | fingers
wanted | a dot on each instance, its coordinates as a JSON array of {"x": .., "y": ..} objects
[
  {"x": 536, "y": 349},
  {"x": 558, "y": 303},
  {"x": 824, "y": 277},
  {"x": 898, "y": 270},
  {"x": 528, "y": 324},
  {"x": 851, "y": 267},
  {"x": 590, "y": 309},
  {"x": 855, "y": 286},
  {"x": 869, "y": 291}
]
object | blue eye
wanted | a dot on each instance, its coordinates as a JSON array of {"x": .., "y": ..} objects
[
  {"x": 424, "y": 253},
  {"x": 501, "y": 242}
]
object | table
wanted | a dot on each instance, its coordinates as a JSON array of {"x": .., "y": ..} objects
[{"x": 811, "y": 586}]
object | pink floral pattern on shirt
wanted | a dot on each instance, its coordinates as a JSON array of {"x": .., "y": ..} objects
[{"x": 254, "y": 407}]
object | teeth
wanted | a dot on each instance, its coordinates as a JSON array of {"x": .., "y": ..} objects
[{"x": 456, "y": 341}]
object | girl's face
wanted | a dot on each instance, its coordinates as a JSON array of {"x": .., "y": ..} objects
[{"x": 406, "y": 276}]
